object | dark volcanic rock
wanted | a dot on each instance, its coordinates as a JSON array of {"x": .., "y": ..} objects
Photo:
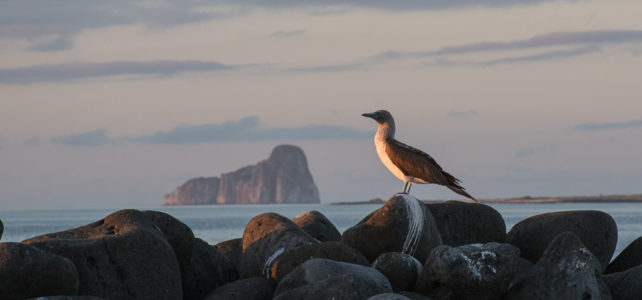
[
  {"x": 200, "y": 190},
  {"x": 625, "y": 285},
  {"x": 318, "y": 226},
  {"x": 123, "y": 256},
  {"x": 267, "y": 236},
  {"x": 403, "y": 224},
  {"x": 462, "y": 223},
  {"x": 630, "y": 257},
  {"x": 320, "y": 278},
  {"x": 414, "y": 296},
  {"x": 402, "y": 270},
  {"x": 388, "y": 296},
  {"x": 202, "y": 267},
  {"x": 475, "y": 271},
  {"x": 67, "y": 298},
  {"x": 566, "y": 270},
  {"x": 336, "y": 251},
  {"x": 233, "y": 250},
  {"x": 597, "y": 231},
  {"x": 207, "y": 270},
  {"x": 27, "y": 271},
  {"x": 255, "y": 288}
]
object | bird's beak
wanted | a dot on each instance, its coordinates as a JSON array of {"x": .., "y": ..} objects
[{"x": 369, "y": 115}]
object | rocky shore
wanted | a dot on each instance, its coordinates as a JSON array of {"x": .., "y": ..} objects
[{"x": 403, "y": 250}]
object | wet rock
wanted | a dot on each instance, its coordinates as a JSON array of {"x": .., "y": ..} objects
[
  {"x": 625, "y": 285},
  {"x": 233, "y": 250},
  {"x": 630, "y": 257},
  {"x": 462, "y": 223},
  {"x": 475, "y": 271},
  {"x": 27, "y": 271},
  {"x": 123, "y": 256},
  {"x": 403, "y": 224},
  {"x": 267, "y": 236},
  {"x": 318, "y": 226},
  {"x": 207, "y": 270},
  {"x": 336, "y": 251},
  {"x": 597, "y": 231},
  {"x": 255, "y": 288},
  {"x": 402, "y": 270},
  {"x": 566, "y": 270},
  {"x": 389, "y": 296},
  {"x": 320, "y": 278}
]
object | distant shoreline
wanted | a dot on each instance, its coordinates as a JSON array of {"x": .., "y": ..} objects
[{"x": 634, "y": 198}]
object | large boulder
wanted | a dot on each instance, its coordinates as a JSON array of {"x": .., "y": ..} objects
[
  {"x": 123, "y": 256},
  {"x": 318, "y": 226},
  {"x": 630, "y": 257},
  {"x": 67, "y": 298},
  {"x": 566, "y": 270},
  {"x": 266, "y": 237},
  {"x": 337, "y": 251},
  {"x": 389, "y": 296},
  {"x": 402, "y": 270},
  {"x": 625, "y": 285},
  {"x": 475, "y": 271},
  {"x": 597, "y": 231},
  {"x": 403, "y": 224},
  {"x": 462, "y": 223},
  {"x": 27, "y": 271},
  {"x": 233, "y": 250},
  {"x": 206, "y": 270},
  {"x": 320, "y": 278},
  {"x": 255, "y": 288}
]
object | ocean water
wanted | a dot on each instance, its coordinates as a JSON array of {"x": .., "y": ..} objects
[{"x": 215, "y": 224}]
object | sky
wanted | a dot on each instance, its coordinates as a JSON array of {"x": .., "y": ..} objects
[{"x": 115, "y": 104}]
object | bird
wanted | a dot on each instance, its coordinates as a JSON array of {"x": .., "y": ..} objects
[{"x": 407, "y": 163}]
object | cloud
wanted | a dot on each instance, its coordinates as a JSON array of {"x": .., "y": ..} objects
[
  {"x": 96, "y": 137},
  {"x": 463, "y": 113},
  {"x": 283, "y": 33},
  {"x": 608, "y": 126},
  {"x": 32, "y": 142},
  {"x": 551, "y": 55},
  {"x": 59, "y": 43},
  {"x": 554, "y": 39},
  {"x": 248, "y": 129},
  {"x": 77, "y": 70}
]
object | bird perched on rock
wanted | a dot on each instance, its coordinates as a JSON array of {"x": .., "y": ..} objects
[{"x": 409, "y": 164}]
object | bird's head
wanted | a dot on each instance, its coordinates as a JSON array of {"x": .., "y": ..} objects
[{"x": 381, "y": 116}]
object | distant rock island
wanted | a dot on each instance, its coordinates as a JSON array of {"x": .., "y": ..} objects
[{"x": 282, "y": 178}]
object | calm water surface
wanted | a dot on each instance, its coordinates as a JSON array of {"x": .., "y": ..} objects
[{"x": 215, "y": 224}]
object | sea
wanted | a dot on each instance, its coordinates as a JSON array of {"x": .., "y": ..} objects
[{"x": 217, "y": 223}]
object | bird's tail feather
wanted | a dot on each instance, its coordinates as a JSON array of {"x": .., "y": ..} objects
[{"x": 460, "y": 190}]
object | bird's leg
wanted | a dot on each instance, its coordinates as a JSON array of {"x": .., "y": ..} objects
[
  {"x": 406, "y": 187},
  {"x": 409, "y": 186}
]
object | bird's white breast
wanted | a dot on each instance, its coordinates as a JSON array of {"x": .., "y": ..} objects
[{"x": 380, "y": 144}]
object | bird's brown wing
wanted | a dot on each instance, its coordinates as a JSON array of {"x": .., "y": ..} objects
[{"x": 414, "y": 162}]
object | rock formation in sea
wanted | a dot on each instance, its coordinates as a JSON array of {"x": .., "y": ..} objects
[{"x": 282, "y": 178}]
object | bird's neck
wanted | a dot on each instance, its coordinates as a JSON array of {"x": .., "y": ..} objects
[{"x": 386, "y": 131}]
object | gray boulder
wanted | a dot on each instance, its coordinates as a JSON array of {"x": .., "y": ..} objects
[
  {"x": 402, "y": 270},
  {"x": 625, "y": 285},
  {"x": 320, "y": 278},
  {"x": 233, "y": 250},
  {"x": 206, "y": 270},
  {"x": 475, "y": 271},
  {"x": 123, "y": 256},
  {"x": 566, "y": 270},
  {"x": 266, "y": 237},
  {"x": 27, "y": 271},
  {"x": 255, "y": 288},
  {"x": 597, "y": 231},
  {"x": 337, "y": 251},
  {"x": 462, "y": 223},
  {"x": 318, "y": 226},
  {"x": 630, "y": 257},
  {"x": 389, "y": 296},
  {"x": 403, "y": 224}
]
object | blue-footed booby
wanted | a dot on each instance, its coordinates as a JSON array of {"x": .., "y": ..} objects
[{"x": 409, "y": 164}]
